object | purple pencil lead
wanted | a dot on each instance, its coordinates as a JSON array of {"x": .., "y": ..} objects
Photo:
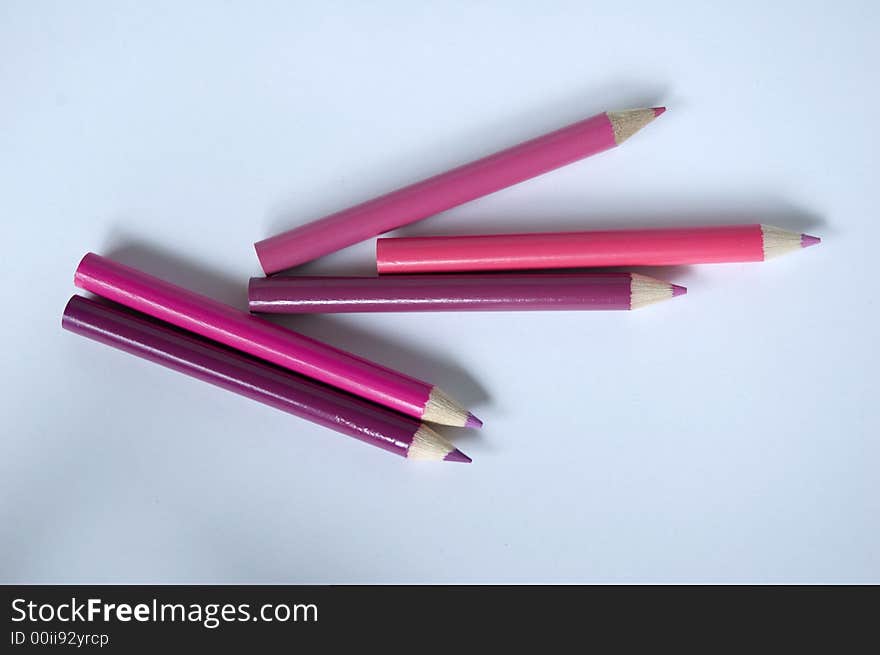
[
  {"x": 457, "y": 456},
  {"x": 808, "y": 240}
]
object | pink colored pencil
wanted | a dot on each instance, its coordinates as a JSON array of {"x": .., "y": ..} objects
[
  {"x": 268, "y": 341},
  {"x": 447, "y": 190},
  {"x": 654, "y": 247}
]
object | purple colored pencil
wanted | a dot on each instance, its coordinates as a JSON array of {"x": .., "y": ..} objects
[
  {"x": 248, "y": 376},
  {"x": 467, "y": 292}
]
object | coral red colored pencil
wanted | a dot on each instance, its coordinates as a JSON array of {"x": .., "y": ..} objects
[
  {"x": 656, "y": 247},
  {"x": 452, "y": 188}
]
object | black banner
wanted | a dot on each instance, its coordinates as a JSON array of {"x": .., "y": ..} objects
[{"x": 148, "y": 618}]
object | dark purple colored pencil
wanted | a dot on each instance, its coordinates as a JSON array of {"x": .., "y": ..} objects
[
  {"x": 230, "y": 369},
  {"x": 457, "y": 292}
]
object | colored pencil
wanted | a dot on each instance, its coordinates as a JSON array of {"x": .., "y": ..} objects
[
  {"x": 451, "y": 293},
  {"x": 268, "y": 341},
  {"x": 652, "y": 247},
  {"x": 452, "y": 188},
  {"x": 253, "y": 378}
]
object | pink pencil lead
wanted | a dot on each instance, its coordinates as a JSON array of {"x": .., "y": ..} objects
[
  {"x": 658, "y": 111},
  {"x": 457, "y": 456},
  {"x": 473, "y": 422},
  {"x": 678, "y": 290},
  {"x": 808, "y": 240}
]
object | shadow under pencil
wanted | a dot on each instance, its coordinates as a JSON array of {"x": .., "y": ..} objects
[{"x": 341, "y": 332}]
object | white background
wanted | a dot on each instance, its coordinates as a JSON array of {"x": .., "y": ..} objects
[{"x": 729, "y": 435}]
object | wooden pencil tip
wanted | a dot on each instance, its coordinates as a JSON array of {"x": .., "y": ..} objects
[
  {"x": 457, "y": 456},
  {"x": 442, "y": 409},
  {"x": 808, "y": 240},
  {"x": 646, "y": 290},
  {"x": 626, "y": 123}
]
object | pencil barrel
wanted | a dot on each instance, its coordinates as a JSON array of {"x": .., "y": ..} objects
[
  {"x": 441, "y": 293},
  {"x": 498, "y": 252}
]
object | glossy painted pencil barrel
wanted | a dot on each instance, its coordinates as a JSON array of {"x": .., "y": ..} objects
[
  {"x": 253, "y": 335},
  {"x": 449, "y": 189},
  {"x": 650, "y": 247},
  {"x": 247, "y": 376},
  {"x": 452, "y": 293}
]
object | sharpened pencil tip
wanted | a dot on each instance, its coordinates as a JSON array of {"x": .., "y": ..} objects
[
  {"x": 473, "y": 422},
  {"x": 629, "y": 121},
  {"x": 658, "y": 111},
  {"x": 808, "y": 240},
  {"x": 678, "y": 290},
  {"x": 457, "y": 456}
]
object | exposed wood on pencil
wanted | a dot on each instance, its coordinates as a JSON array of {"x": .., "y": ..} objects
[
  {"x": 777, "y": 241},
  {"x": 626, "y": 123},
  {"x": 646, "y": 291},
  {"x": 442, "y": 409},
  {"x": 429, "y": 446}
]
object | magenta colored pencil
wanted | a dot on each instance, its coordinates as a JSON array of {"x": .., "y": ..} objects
[
  {"x": 253, "y": 378},
  {"x": 452, "y": 188},
  {"x": 452, "y": 293},
  {"x": 268, "y": 341}
]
